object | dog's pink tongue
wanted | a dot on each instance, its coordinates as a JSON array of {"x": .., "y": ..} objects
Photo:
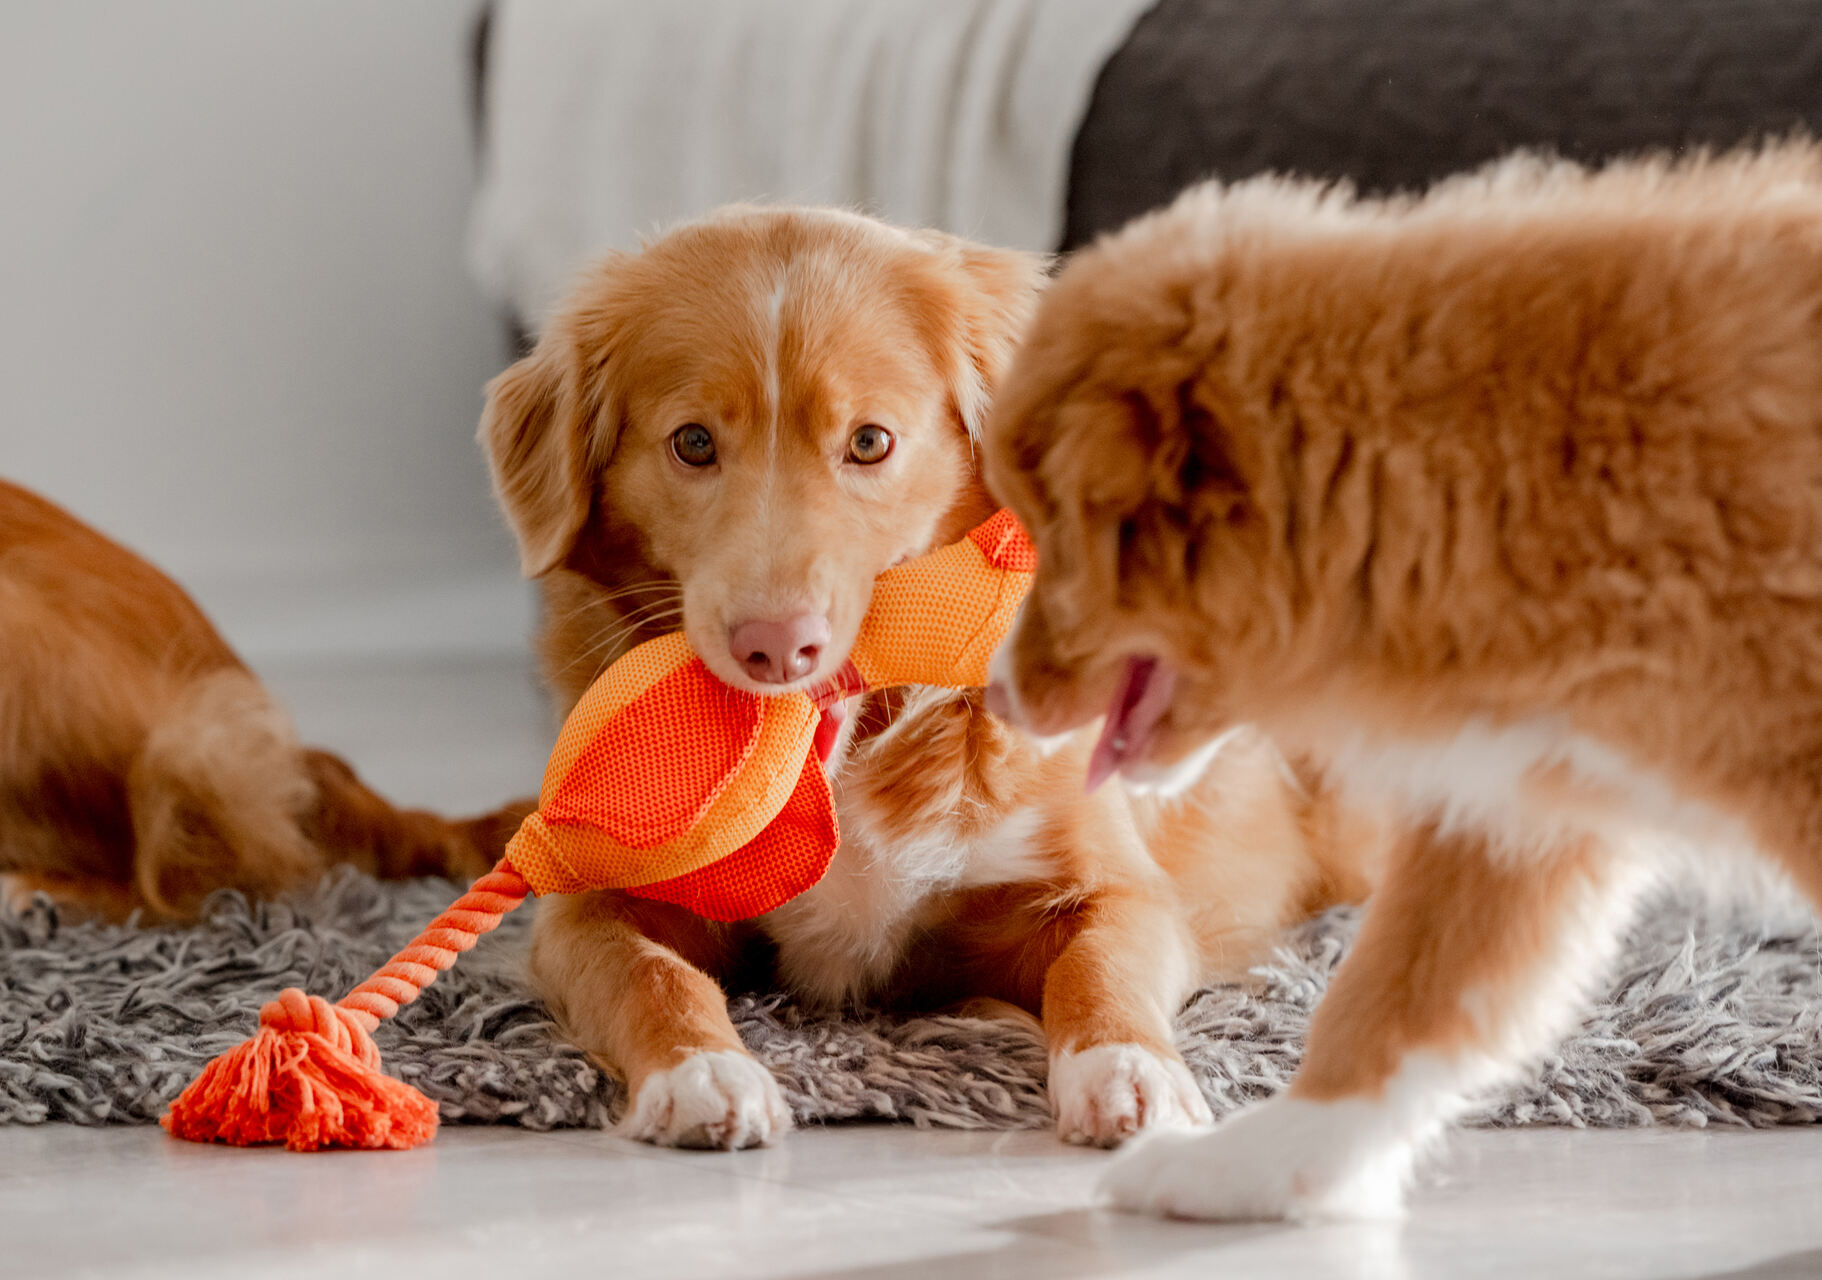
[
  {"x": 828, "y": 729},
  {"x": 1138, "y": 704}
]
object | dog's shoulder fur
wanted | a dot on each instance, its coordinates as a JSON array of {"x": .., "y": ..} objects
[{"x": 1543, "y": 438}]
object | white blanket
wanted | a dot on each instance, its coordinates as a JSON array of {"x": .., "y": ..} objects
[{"x": 608, "y": 119}]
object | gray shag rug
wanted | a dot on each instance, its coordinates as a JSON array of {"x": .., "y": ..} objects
[{"x": 1706, "y": 1020}]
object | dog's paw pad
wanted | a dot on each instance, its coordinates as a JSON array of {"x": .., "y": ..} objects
[
  {"x": 1105, "y": 1094},
  {"x": 718, "y": 1100}
]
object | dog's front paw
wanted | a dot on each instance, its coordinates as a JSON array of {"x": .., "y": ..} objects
[
  {"x": 1285, "y": 1158},
  {"x": 1105, "y": 1094},
  {"x": 717, "y": 1100}
]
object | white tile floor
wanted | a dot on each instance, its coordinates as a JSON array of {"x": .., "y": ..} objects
[
  {"x": 870, "y": 1201},
  {"x": 877, "y": 1202}
]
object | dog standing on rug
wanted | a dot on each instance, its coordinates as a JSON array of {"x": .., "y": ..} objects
[
  {"x": 142, "y": 766},
  {"x": 734, "y": 432},
  {"x": 1505, "y": 502}
]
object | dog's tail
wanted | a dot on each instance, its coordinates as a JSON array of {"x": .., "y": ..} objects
[
  {"x": 222, "y": 795},
  {"x": 350, "y": 822}
]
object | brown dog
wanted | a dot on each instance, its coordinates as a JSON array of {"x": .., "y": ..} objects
[
  {"x": 733, "y": 432},
  {"x": 143, "y": 766},
  {"x": 1506, "y": 502}
]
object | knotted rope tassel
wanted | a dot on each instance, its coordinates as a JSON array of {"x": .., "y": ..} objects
[{"x": 310, "y": 1076}]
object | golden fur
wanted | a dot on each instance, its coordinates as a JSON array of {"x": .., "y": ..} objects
[
  {"x": 971, "y": 866},
  {"x": 1506, "y": 501},
  {"x": 142, "y": 766}
]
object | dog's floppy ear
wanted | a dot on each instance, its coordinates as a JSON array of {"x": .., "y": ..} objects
[
  {"x": 998, "y": 295},
  {"x": 538, "y": 430}
]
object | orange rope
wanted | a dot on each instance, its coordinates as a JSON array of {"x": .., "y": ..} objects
[
  {"x": 403, "y": 978},
  {"x": 310, "y": 1076}
]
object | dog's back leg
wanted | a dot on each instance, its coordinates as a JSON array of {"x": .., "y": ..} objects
[{"x": 216, "y": 792}]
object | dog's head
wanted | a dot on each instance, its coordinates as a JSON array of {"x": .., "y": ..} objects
[
  {"x": 1152, "y": 493},
  {"x": 768, "y": 407}
]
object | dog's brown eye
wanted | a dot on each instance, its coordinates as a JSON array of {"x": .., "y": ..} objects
[
  {"x": 693, "y": 445},
  {"x": 869, "y": 444}
]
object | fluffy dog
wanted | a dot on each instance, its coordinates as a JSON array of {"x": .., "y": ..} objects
[
  {"x": 142, "y": 766},
  {"x": 1505, "y": 502},
  {"x": 734, "y": 432}
]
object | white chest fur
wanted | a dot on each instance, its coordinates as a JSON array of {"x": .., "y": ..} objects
[
  {"x": 845, "y": 936},
  {"x": 1527, "y": 784}
]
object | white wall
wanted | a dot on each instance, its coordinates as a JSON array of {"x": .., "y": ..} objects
[{"x": 235, "y": 327}]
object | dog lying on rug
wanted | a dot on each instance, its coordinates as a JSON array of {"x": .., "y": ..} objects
[
  {"x": 735, "y": 432},
  {"x": 142, "y": 766},
  {"x": 1505, "y": 502}
]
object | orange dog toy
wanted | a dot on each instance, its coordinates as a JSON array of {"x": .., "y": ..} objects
[{"x": 664, "y": 783}]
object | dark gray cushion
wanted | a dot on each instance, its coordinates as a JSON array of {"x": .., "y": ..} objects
[{"x": 1395, "y": 93}]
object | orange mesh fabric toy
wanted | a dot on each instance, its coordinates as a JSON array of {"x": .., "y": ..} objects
[{"x": 664, "y": 783}]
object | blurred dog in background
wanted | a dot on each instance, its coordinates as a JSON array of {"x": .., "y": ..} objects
[{"x": 143, "y": 766}]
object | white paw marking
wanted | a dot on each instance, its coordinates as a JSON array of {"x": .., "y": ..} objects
[
  {"x": 719, "y": 1100},
  {"x": 1282, "y": 1159},
  {"x": 1105, "y": 1094}
]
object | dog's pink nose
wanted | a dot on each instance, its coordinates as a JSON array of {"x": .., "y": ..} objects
[{"x": 778, "y": 651}]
